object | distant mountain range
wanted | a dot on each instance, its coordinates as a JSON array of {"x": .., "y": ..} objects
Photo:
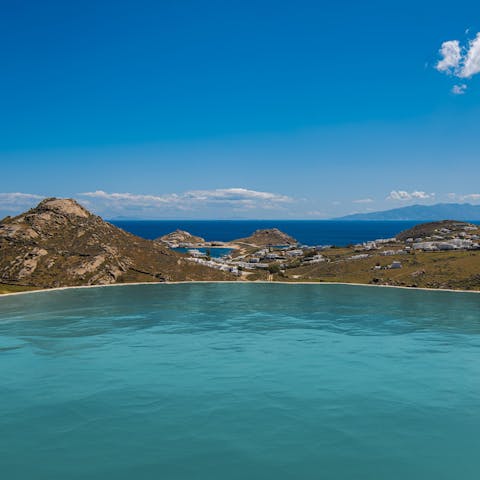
[{"x": 440, "y": 211}]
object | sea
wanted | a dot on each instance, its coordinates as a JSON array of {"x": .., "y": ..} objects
[
  {"x": 240, "y": 381},
  {"x": 307, "y": 232}
]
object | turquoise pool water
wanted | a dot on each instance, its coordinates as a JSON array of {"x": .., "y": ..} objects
[{"x": 219, "y": 381}]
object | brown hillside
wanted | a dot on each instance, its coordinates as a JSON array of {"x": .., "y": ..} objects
[
  {"x": 60, "y": 243},
  {"x": 268, "y": 237}
]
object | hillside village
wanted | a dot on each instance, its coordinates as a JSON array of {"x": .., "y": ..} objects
[{"x": 391, "y": 261}]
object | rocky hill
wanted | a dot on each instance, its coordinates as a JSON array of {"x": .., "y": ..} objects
[
  {"x": 268, "y": 237},
  {"x": 180, "y": 236},
  {"x": 60, "y": 243}
]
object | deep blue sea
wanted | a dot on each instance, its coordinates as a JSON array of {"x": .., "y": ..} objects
[
  {"x": 308, "y": 232},
  {"x": 240, "y": 381}
]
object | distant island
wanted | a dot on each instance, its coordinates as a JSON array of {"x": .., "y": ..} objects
[
  {"x": 440, "y": 211},
  {"x": 60, "y": 244}
]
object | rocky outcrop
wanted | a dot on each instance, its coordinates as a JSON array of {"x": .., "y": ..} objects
[
  {"x": 60, "y": 243},
  {"x": 267, "y": 237},
  {"x": 180, "y": 236}
]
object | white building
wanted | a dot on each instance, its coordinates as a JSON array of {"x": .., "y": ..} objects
[
  {"x": 359, "y": 257},
  {"x": 294, "y": 253}
]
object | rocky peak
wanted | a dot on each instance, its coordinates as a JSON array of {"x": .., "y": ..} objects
[
  {"x": 51, "y": 217},
  {"x": 62, "y": 206},
  {"x": 269, "y": 236},
  {"x": 181, "y": 236}
]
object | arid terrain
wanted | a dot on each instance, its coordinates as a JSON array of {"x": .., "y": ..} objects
[{"x": 59, "y": 243}]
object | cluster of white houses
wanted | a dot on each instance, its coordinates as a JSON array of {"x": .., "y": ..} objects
[
  {"x": 284, "y": 257},
  {"x": 451, "y": 244},
  {"x": 445, "y": 240},
  {"x": 262, "y": 259},
  {"x": 216, "y": 263},
  {"x": 374, "y": 244}
]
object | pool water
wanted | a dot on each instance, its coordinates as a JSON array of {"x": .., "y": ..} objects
[{"x": 240, "y": 381}]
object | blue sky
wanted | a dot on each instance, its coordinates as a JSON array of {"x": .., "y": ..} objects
[{"x": 265, "y": 109}]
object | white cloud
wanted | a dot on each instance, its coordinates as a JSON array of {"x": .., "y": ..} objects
[
  {"x": 459, "y": 89},
  {"x": 404, "y": 196},
  {"x": 471, "y": 65},
  {"x": 470, "y": 197},
  {"x": 474, "y": 197},
  {"x": 363, "y": 200},
  {"x": 237, "y": 198},
  {"x": 317, "y": 213},
  {"x": 460, "y": 61},
  {"x": 17, "y": 196},
  {"x": 131, "y": 198},
  {"x": 451, "y": 56},
  {"x": 14, "y": 201}
]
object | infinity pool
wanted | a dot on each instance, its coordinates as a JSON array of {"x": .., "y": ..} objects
[{"x": 240, "y": 381}]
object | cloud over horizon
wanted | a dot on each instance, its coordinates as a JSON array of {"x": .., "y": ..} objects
[
  {"x": 404, "y": 196},
  {"x": 469, "y": 197},
  {"x": 363, "y": 200},
  {"x": 226, "y": 203},
  {"x": 235, "y": 199},
  {"x": 14, "y": 201}
]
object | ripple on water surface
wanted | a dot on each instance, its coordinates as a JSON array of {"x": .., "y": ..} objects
[{"x": 216, "y": 381}]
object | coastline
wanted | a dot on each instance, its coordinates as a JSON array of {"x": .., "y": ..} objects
[{"x": 186, "y": 282}]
